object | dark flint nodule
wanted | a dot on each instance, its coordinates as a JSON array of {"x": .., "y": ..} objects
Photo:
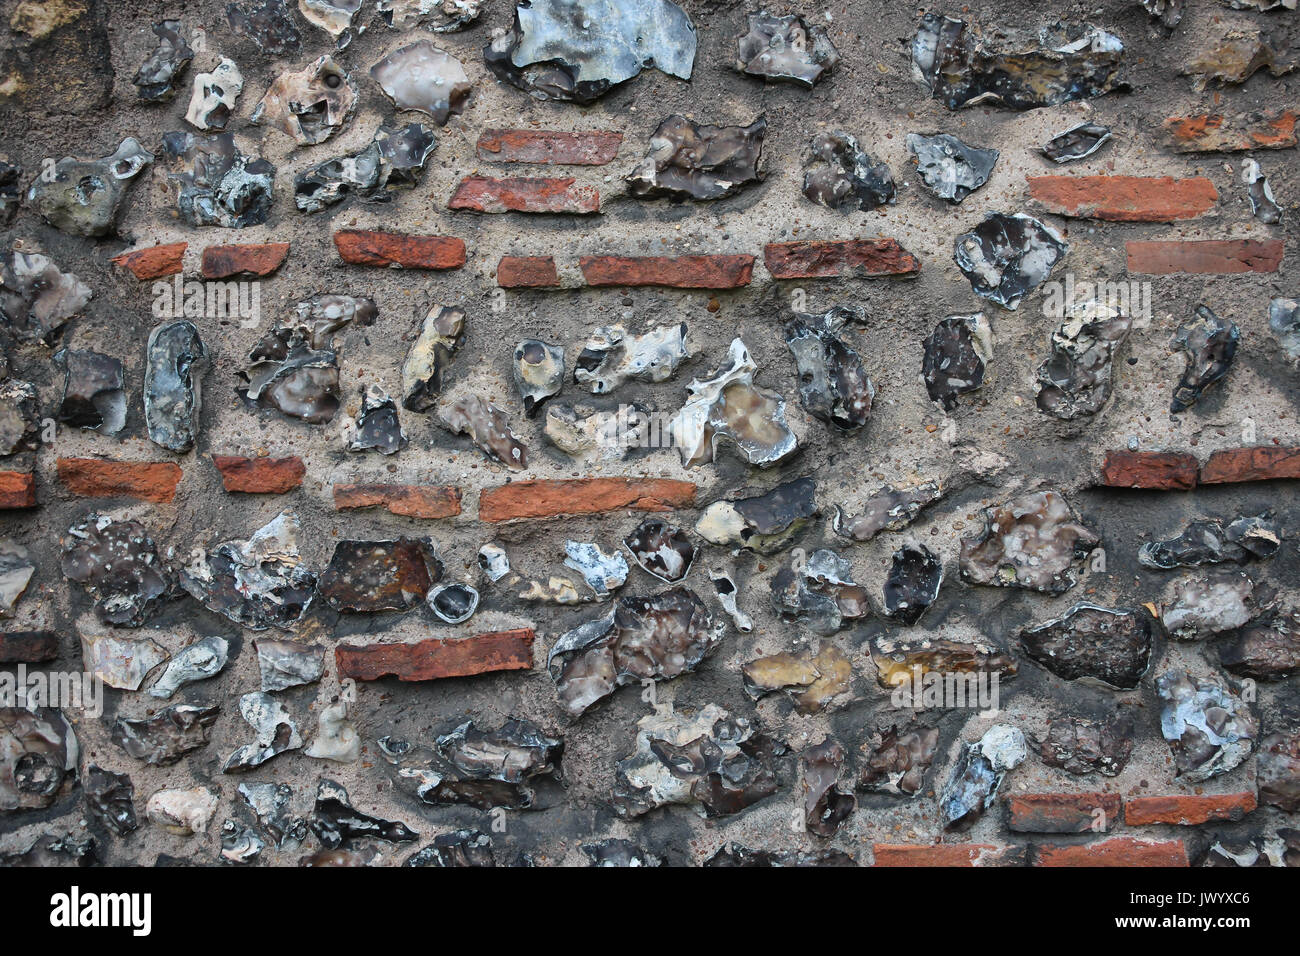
[
  {"x": 839, "y": 175},
  {"x": 335, "y": 179},
  {"x": 955, "y": 357},
  {"x": 1208, "y": 725},
  {"x": 1262, "y": 204},
  {"x": 1007, "y": 257},
  {"x": 833, "y": 382},
  {"x": 93, "y": 395},
  {"x": 1032, "y": 541},
  {"x": 82, "y": 197},
  {"x": 538, "y": 372},
  {"x": 37, "y": 297},
  {"x": 118, "y": 564},
  {"x": 201, "y": 660},
  {"x": 484, "y": 769},
  {"x": 1017, "y": 68},
  {"x": 38, "y": 752},
  {"x": 454, "y": 603},
  {"x": 214, "y": 183},
  {"x": 1082, "y": 746},
  {"x": 1077, "y": 142},
  {"x": 11, "y": 190},
  {"x": 295, "y": 373},
  {"x": 577, "y": 50},
  {"x": 55, "y": 850},
  {"x": 268, "y": 23},
  {"x": 765, "y": 523},
  {"x": 285, "y": 664},
  {"x": 1211, "y": 345},
  {"x": 421, "y": 76},
  {"x": 20, "y": 417},
  {"x": 274, "y": 729},
  {"x": 271, "y": 804},
  {"x": 111, "y": 799},
  {"x": 376, "y": 427},
  {"x": 1093, "y": 644},
  {"x": 890, "y": 509},
  {"x": 661, "y": 549},
  {"x": 1277, "y": 775},
  {"x": 1264, "y": 649},
  {"x": 168, "y": 735},
  {"x": 240, "y": 843},
  {"x": 687, "y": 160},
  {"x": 896, "y": 762},
  {"x": 366, "y": 576},
  {"x": 337, "y": 823},
  {"x": 950, "y": 169},
  {"x": 1077, "y": 378},
  {"x": 403, "y": 152},
  {"x": 441, "y": 336},
  {"x": 488, "y": 427},
  {"x": 818, "y": 590},
  {"x": 1207, "y": 541},
  {"x": 915, "y": 575},
  {"x": 156, "y": 79},
  {"x": 978, "y": 773},
  {"x": 172, "y": 397},
  {"x": 825, "y": 806},
  {"x": 788, "y": 49},
  {"x": 456, "y": 849}
]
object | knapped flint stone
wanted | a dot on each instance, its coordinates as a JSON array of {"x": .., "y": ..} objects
[
  {"x": 111, "y": 799},
  {"x": 604, "y": 573},
  {"x": 440, "y": 337},
  {"x": 37, "y": 297},
  {"x": 454, "y": 602},
  {"x": 538, "y": 372},
  {"x": 157, "y": 77},
  {"x": 1277, "y": 771},
  {"x": 1019, "y": 69},
  {"x": 640, "y": 639},
  {"x": 333, "y": 16},
  {"x": 712, "y": 761},
  {"x": 839, "y": 175},
  {"x": 1284, "y": 321},
  {"x": 376, "y": 427},
  {"x": 20, "y": 417},
  {"x": 1077, "y": 142},
  {"x": 93, "y": 395},
  {"x": 724, "y": 587},
  {"x": 956, "y": 355},
  {"x": 890, "y": 509},
  {"x": 611, "y": 356},
  {"x": 1208, "y": 726},
  {"x": 456, "y": 849},
  {"x": 214, "y": 183},
  {"x": 949, "y": 168},
  {"x": 661, "y": 549},
  {"x": 1168, "y": 12},
  {"x": 51, "y": 850},
  {"x": 577, "y": 50},
  {"x": 488, "y": 428},
  {"x": 915, "y": 575},
  {"x": 1032, "y": 542},
  {"x": 214, "y": 96},
  {"x": 1077, "y": 377},
  {"x": 420, "y": 76},
  {"x": 440, "y": 16},
  {"x": 825, "y": 806},
  {"x": 1081, "y": 746},
  {"x": 201, "y": 660},
  {"x": 833, "y": 382},
  {"x": 168, "y": 735},
  {"x": 258, "y": 583},
  {"x": 904, "y": 664},
  {"x": 268, "y": 23},
  {"x": 83, "y": 197},
  {"x": 811, "y": 680},
  {"x": 335, "y": 179},
  {"x": 789, "y": 49},
  {"x": 172, "y": 397},
  {"x": 16, "y": 570},
  {"x": 818, "y": 590},
  {"x": 619, "y": 853},
  {"x": 310, "y": 104},
  {"x": 285, "y": 664},
  {"x": 1207, "y": 541},
  {"x": 275, "y": 732},
  {"x": 687, "y": 160},
  {"x": 294, "y": 372},
  {"x": 118, "y": 563},
  {"x": 271, "y": 802},
  {"x": 978, "y": 773},
  {"x": 367, "y": 576},
  {"x": 737, "y": 855},
  {"x": 120, "y": 662},
  {"x": 1262, "y": 204},
  {"x": 240, "y": 843},
  {"x": 896, "y": 762},
  {"x": 38, "y": 753},
  {"x": 1211, "y": 344},
  {"x": 1093, "y": 644},
  {"x": 766, "y": 522},
  {"x": 1265, "y": 649},
  {"x": 1206, "y": 606},
  {"x": 403, "y": 152},
  {"x": 484, "y": 769},
  {"x": 337, "y": 823},
  {"x": 1007, "y": 257},
  {"x": 1281, "y": 849}
]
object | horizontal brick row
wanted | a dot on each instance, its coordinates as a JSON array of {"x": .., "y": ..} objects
[
  {"x": 525, "y": 194},
  {"x": 1203, "y": 256},
  {"x": 411, "y": 501},
  {"x": 1118, "y": 851},
  {"x": 260, "y": 476},
  {"x": 1123, "y": 198},
  {"x": 1099, "y": 812},
  {"x": 548, "y": 147},
  {"x": 218, "y": 262},
  {"x": 437, "y": 659},
  {"x": 1217, "y": 133},
  {"x": 1179, "y": 471},
  {"x": 366, "y": 247}
]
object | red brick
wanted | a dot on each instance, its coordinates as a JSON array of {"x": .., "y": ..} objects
[
  {"x": 1121, "y": 851},
  {"x": 17, "y": 489},
  {"x": 1216, "y": 133},
  {"x": 364, "y": 247},
  {"x": 828, "y": 259},
  {"x": 260, "y": 476},
  {"x": 1187, "y": 810},
  {"x": 411, "y": 501},
  {"x": 553, "y": 498},
  {"x": 527, "y": 272},
  {"x": 1062, "y": 812},
  {"x": 525, "y": 194},
  {"x": 549, "y": 147},
  {"x": 677, "y": 272},
  {"x": 1204, "y": 256},
  {"x": 1261, "y": 463},
  {"x": 436, "y": 659},
  {"x": 28, "y": 647},
  {"x": 1124, "y": 198},
  {"x": 1154, "y": 470},
  {"x": 220, "y": 262},
  {"x": 96, "y": 478},
  {"x": 154, "y": 262},
  {"x": 944, "y": 854}
]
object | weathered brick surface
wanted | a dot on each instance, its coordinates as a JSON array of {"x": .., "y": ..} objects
[
  {"x": 28, "y": 647},
  {"x": 1062, "y": 812},
  {"x": 97, "y": 478},
  {"x": 549, "y": 147},
  {"x": 17, "y": 489},
  {"x": 261, "y": 259},
  {"x": 944, "y": 854},
  {"x": 828, "y": 259},
  {"x": 369, "y": 248},
  {"x": 1187, "y": 809},
  {"x": 527, "y": 272},
  {"x": 1203, "y": 256},
  {"x": 525, "y": 194},
  {"x": 266, "y": 476},
  {"x": 412, "y": 501},
  {"x": 1261, "y": 463},
  {"x": 1153, "y": 470},
  {"x": 1118, "y": 851},
  {"x": 1215, "y": 132},
  {"x": 437, "y": 659},
  {"x": 1124, "y": 198},
  {"x": 678, "y": 272},
  {"x": 155, "y": 262},
  {"x": 554, "y": 499}
]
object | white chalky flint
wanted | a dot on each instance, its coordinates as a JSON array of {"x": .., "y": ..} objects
[
  {"x": 603, "y": 572},
  {"x": 1004, "y": 747},
  {"x": 121, "y": 663},
  {"x": 494, "y": 561},
  {"x": 203, "y": 659},
  {"x": 1203, "y": 607},
  {"x": 422, "y": 77},
  {"x": 185, "y": 812},
  {"x": 16, "y": 570},
  {"x": 332, "y": 16},
  {"x": 651, "y": 357},
  {"x": 213, "y": 92},
  {"x": 336, "y": 737}
]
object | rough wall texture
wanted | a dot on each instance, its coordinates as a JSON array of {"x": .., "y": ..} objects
[{"x": 69, "y": 91}]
